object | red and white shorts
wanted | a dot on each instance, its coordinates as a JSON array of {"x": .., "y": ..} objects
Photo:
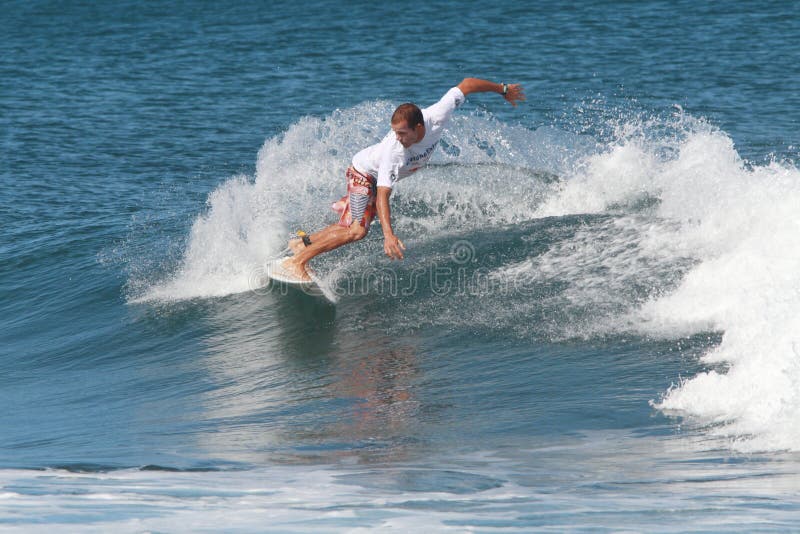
[{"x": 359, "y": 202}]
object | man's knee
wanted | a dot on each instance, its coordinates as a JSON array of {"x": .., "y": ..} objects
[{"x": 357, "y": 232}]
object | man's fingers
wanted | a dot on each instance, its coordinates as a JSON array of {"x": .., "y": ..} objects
[
  {"x": 394, "y": 248},
  {"x": 515, "y": 93},
  {"x": 397, "y": 253}
]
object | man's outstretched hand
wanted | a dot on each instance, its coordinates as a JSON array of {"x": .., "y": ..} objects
[
  {"x": 393, "y": 247},
  {"x": 514, "y": 93}
]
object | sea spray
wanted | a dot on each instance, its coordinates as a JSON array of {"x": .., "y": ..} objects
[
  {"x": 662, "y": 230},
  {"x": 501, "y": 175}
]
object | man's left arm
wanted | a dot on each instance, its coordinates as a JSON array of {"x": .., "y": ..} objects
[
  {"x": 392, "y": 245},
  {"x": 512, "y": 92}
]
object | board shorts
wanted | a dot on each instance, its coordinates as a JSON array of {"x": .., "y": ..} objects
[{"x": 359, "y": 204}]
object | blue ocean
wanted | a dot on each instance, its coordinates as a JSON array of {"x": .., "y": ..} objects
[{"x": 596, "y": 326}]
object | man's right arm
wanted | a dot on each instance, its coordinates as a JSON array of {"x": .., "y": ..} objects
[
  {"x": 392, "y": 245},
  {"x": 513, "y": 92}
]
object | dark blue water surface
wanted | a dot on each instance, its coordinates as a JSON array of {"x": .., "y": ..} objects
[{"x": 506, "y": 376}]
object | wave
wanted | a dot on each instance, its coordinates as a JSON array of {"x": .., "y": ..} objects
[
  {"x": 737, "y": 225},
  {"x": 662, "y": 230}
]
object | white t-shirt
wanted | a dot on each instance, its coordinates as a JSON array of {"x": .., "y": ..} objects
[{"x": 390, "y": 161}]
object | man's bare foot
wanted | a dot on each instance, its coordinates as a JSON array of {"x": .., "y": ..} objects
[
  {"x": 296, "y": 269},
  {"x": 296, "y": 245}
]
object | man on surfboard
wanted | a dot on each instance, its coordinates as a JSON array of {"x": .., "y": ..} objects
[{"x": 375, "y": 170}]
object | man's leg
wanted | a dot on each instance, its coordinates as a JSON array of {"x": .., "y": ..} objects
[
  {"x": 327, "y": 239},
  {"x": 296, "y": 244}
]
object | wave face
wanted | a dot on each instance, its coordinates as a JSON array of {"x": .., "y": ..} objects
[{"x": 660, "y": 230}]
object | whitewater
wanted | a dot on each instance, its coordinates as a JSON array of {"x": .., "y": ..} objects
[{"x": 712, "y": 240}]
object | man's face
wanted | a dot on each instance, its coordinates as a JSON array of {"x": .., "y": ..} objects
[{"x": 407, "y": 136}]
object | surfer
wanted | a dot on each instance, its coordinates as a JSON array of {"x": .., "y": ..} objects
[{"x": 375, "y": 170}]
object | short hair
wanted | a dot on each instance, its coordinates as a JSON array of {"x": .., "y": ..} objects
[{"x": 408, "y": 112}]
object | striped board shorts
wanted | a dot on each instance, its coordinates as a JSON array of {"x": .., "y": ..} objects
[{"x": 359, "y": 202}]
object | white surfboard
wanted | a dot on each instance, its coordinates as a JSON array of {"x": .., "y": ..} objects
[{"x": 275, "y": 271}]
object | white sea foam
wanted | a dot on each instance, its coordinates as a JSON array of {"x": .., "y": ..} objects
[
  {"x": 747, "y": 285},
  {"x": 741, "y": 225},
  {"x": 566, "y": 483},
  {"x": 249, "y": 220}
]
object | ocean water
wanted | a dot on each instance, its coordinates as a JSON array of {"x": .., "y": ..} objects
[{"x": 596, "y": 326}]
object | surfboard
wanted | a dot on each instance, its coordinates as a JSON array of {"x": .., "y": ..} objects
[{"x": 275, "y": 272}]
